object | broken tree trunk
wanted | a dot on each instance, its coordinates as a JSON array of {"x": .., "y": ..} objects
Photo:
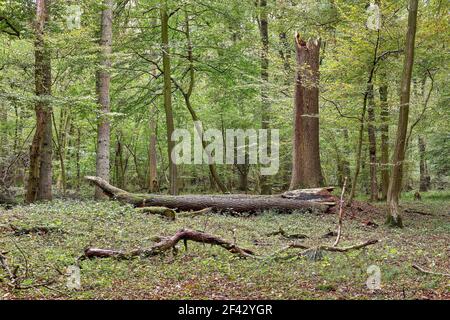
[{"x": 308, "y": 199}]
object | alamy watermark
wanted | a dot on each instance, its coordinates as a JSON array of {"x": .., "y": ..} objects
[
  {"x": 374, "y": 280},
  {"x": 73, "y": 278},
  {"x": 374, "y": 19},
  {"x": 233, "y": 146}
]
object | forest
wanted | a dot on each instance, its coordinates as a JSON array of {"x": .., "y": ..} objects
[{"x": 239, "y": 149}]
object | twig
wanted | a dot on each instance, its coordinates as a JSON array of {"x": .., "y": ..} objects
[
  {"x": 341, "y": 214},
  {"x": 419, "y": 268},
  {"x": 12, "y": 277}
]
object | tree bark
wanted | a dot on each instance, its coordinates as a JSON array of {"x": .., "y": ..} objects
[
  {"x": 103, "y": 86},
  {"x": 306, "y": 169},
  {"x": 40, "y": 173},
  {"x": 394, "y": 217},
  {"x": 173, "y": 186},
  {"x": 266, "y": 187},
  {"x": 304, "y": 200},
  {"x": 372, "y": 144},
  {"x": 153, "y": 185},
  {"x": 384, "y": 128},
  {"x": 187, "y": 98},
  {"x": 423, "y": 168}
]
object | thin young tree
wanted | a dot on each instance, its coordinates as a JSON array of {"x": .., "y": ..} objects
[
  {"x": 173, "y": 187},
  {"x": 394, "y": 217},
  {"x": 384, "y": 129}
]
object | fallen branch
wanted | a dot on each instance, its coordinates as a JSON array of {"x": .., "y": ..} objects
[
  {"x": 169, "y": 243},
  {"x": 10, "y": 274},
  {"x": 419, "y": 268},
  {"x": 163, "y": 211},
  {"x": 196, "y": 213},
  {"x": 284, "y": 234},
  {"x": 316, "y": 250},
  {"x": 341, "y": 214},
  {"x": 40, "y": 230}
]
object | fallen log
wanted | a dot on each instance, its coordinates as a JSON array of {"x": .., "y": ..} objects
[
  {"x": 169, "y": 243},
  {"x": 319, "y": 199}
]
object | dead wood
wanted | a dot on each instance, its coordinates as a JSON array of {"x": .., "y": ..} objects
[
  {"x": 419, "y": 268},
  {"x": 169, "y": 243},
  {"x": 162, "y": 211},
  {"x": 219, "y": 203},
  {"x": 40, "y": 230},
  {"x": 341, "y": 214},
  {"x": 284, "y": 234}
]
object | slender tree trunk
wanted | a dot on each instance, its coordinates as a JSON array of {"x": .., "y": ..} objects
[
  {"x": 78, "y": 158},
  {"x": 4, "y": 129},
  {"x": 362, "y": 122},
  {"x": 153, "y": 185},
  {"x": 103, "y": 84},
  {"x": 395, "y": 182},
  {"x": 265, "y": 102},
  {"x": 384, "y": 128},
  {"x": 372, "y": 144},
  {"x": 424, "y": 175},
  {"x": 40, "y": 173},
  {"x": 306, "y": 169},
  {"x": 187, "y": 98},
  {"x": 173, "y": 187}
]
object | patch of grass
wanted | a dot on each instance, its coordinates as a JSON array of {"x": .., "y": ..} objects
[{"x": 209, "y": 272}]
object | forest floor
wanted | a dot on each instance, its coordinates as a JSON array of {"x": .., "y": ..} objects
[{"x": 210, "y": 272}]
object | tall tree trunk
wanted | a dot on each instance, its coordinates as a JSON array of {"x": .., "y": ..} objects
[
  {"x": 153, "y": 185},
  {"x": 40, "y": 173},
  {"x": 372, "y": 144},
  {"x": 265, "y": 102},
  {"x": 306, "y": 169},
  {"x": 395, "y": 182},
  {"x": 424, "y": 175},
  {"x": 384, "y": 128},
  {"x": 173, "y": 187},
  {"x": 103, "y": 84}
]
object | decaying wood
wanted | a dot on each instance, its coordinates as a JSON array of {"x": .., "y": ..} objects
[
  {"x": 284, "y": 234},
  {"x": 419, "y": 268},
  {"x": 163, "y": 211},
  {"x": 40, "y": 230},
  {"x": 320, "y": 201},
  {"x": 169, "y": 243},
  {"x": 10, "y": 274},
  {"x": 341, "y": 214},
  {"x": 196, "y": 213},
  {"x": 316, "y": 250}
]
